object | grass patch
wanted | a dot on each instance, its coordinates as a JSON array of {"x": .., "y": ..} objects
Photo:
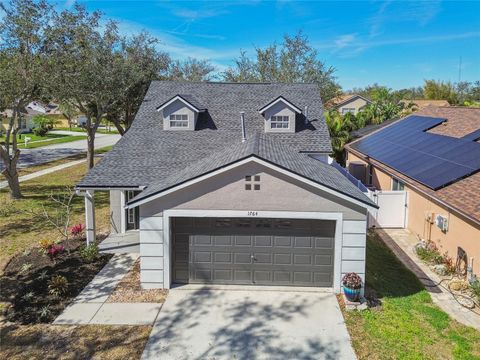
[
  {"x": 19, "y": 229},
  {"x": 408, "y": 325},
  {"x": 73, "y": 342},
  {"x": 40, "y": 141}
]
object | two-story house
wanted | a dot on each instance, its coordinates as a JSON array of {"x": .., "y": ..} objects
[{"x": 229, "y": 184}]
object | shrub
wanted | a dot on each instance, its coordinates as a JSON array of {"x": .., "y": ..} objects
[
  {"x": 25, "y": 267},
  {"x": 40, "y": 131},
  {"x": 77, "y": 230},
  {"x": 54, "y": 250},
  {"x": 89, "y": 252},
  {"x": 46, "y": 244},
  {"x": 429, "y": 253},
  {"x": 352, "y": 280},
  {"x": 449, "y": 265},
  {"x": 44, "y": 312},
  {"x": 476, "y": 288},
  {"x": 58, "y": 285}
]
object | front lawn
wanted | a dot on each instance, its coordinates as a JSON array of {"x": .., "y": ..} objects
[
  {"x": 101, "y": 130},
  {"x": 39, "y": 141},
  {"x": 72, "y": 342},
  {"x": 20, "y": 229},
  {"x": 407, "y": 325}
]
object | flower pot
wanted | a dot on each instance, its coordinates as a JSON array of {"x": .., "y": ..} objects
[{"x": 351, "y": 294}]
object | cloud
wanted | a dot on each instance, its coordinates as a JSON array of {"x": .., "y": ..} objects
[
  {"x": 349, "y": 45},
  {"x": 420, "y": 12},
  {"x": 199, "y": 14}
]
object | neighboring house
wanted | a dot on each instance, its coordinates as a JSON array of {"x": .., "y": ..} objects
[
  {"x": 32, "y": 109},
  {"x": 420, "y": 104},
  {"x": 433, "y": 155},
  {"x": 229, "y": 184},
  {"x": 351, "y": 103}
]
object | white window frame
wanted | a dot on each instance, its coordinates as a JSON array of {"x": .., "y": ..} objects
[
  {"x": 279, "y": 121},
  {"x": 176, "y": 119},
  {"x": 396, "y": 184}
]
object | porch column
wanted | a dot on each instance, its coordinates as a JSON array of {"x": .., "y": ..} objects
[{"x": 89, "y": 216}]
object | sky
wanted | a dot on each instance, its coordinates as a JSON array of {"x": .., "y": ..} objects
[{"x": 393, "y": 43}]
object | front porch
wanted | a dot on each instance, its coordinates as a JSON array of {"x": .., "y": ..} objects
[{"x": 123, "y": 243}]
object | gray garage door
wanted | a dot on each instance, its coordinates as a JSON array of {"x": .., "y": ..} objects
[{"x": 253, "y": 251}]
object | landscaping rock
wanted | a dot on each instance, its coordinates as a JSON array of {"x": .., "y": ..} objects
[
  {"x": 440, "y": 269},
  {"x": 458, "y": 285},
  {"x": 464, "y": 301}
]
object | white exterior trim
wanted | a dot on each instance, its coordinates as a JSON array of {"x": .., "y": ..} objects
[
  {"x": 337, "y": 217},
  {"x": 282, "y": 99},
  {"x": 175, "y": 98},
  {"x": 258, "y": 161},
  {"x": 123, "y": 218}
]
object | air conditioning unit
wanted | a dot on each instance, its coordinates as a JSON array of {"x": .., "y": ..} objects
[{"x": 441, "y": 222}]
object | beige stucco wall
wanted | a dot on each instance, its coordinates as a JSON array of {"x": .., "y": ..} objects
[
  {"x": 461, "y": 231},
  {"x": 380, "y": 180},
  {"x": 278, "y": 192},
  {"x": 357, "y": 104}
]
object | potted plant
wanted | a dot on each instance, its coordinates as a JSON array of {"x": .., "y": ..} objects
[{"x": 352, "y": 285}]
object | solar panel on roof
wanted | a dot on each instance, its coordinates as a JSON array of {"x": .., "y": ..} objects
[{"x": 431, "y": 159}]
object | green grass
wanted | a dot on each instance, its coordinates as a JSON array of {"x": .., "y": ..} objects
[
  {"x": 20, "y": 229},
  {"x": 408, "y": 325},
  {"x": 40, "y": 141}
]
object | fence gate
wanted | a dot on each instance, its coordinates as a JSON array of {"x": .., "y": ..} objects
[{"x": 392, "y": 212}]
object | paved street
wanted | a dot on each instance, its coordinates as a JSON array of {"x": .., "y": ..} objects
[{"x": 38, "y": 156}]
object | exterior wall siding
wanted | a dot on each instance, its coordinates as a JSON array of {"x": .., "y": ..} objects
[
  {"x": 227, "y": 192},
  {"x": 116, "y": 211},
  {"x": 280, "y": 109},
  {"x": 356, "y": 104}
]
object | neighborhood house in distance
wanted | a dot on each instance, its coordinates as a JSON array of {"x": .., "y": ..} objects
[
  {"x": 349, "y": 103},
  {"x": 229, "y": 184},
  {"x": 433, "y": 157}
]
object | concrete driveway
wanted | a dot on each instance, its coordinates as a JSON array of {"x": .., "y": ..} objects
[{"x": 249, "y": 323}]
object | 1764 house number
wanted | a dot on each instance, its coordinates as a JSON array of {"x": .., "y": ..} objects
[{"x": 252, "y": 213}]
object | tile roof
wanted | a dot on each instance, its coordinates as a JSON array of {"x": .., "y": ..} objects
[
  {"x": 343, "y": 99},
  {"x": 146, "y": 153},
  {"x": 421, "y": 103},
  {"x": 266, "y": 149},
  {"x": 463, "y": 195}
]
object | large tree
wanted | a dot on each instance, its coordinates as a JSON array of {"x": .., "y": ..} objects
[
  {"x": 22, "y": 72},
  {"x": 138, "y": 63},
  {"x": 191, "y": 69},
  {"x": 295, "y": 60},
  {"x": 85, "y": 58}
]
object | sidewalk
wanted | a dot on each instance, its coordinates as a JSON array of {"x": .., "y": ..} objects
[
  {"x": 4, "y": 184},
  {"x": 402, "y": 243},
  {"x": 90, "y": 306}
]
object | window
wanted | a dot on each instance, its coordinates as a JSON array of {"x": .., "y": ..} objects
[
  {"x": 178, "y": 120},
  {"x": 252, "y": 182},
  {"x": 397, "y": 185},
  {"x": 279, "y": 122},
  {"x": 348, "y": 110}
]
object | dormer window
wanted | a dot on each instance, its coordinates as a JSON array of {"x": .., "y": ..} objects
[
  {"x": 178, "y": 120},
  {"x": 280, "y": 122},
  {"x": 181, "y": 112},
  {"x": 280, "y": 115}
]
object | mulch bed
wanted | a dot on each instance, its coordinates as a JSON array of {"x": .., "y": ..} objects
[
  {"x": 24, "y": 283},
  {"x": 129, "y": 290}
]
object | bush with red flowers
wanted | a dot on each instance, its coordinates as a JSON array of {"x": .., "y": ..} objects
[{"x": 77, "y": 230}]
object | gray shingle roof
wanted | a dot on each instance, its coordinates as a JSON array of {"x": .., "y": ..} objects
[
  {"x": 272, "y": 151},
  {"x": 147, "y": 154}
]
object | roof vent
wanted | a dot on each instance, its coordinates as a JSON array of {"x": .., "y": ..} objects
[
  {"x": 306, "y": 114},
  {"x": 242, "y": 119}
]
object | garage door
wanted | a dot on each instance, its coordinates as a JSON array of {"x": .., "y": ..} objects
[{"x": 253, "y": 251}]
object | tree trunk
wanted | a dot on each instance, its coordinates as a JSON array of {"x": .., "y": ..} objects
[
  {"x": 90, "y": 146},
  {"x": 10, "y": 158},
  {"x": 119, "y": 127}
]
